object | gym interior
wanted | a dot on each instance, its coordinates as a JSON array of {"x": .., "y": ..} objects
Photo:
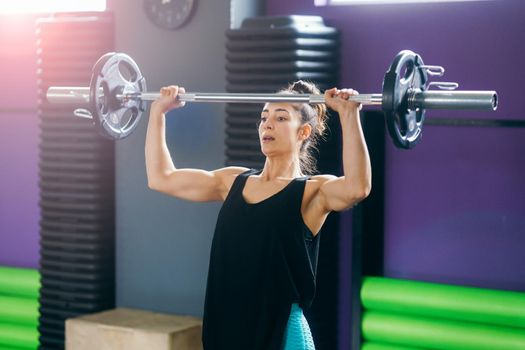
[{"x": 432, "y": 259}]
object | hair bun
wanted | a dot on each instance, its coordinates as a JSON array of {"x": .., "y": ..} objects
[{"x": 304, "y": 87}]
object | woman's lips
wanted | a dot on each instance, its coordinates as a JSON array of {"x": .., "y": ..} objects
[{"x": 267, "y": 138}]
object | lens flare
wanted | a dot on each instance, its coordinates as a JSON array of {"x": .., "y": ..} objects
[{"x": 50, "y": 6}]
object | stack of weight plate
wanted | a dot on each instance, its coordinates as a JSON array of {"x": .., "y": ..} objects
[
  {"x": 76, "y": 171},
  {"x": 265, "y": 55}
]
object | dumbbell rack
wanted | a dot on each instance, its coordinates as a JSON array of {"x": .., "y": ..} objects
[
  {"x": 76, "y": 169},
  {"x": 264, "y": 56}
]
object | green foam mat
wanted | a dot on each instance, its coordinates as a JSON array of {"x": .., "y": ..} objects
[
  {"x": 14, "y": 310},
  {"x": 381, "y": 346},
  {"x": 19, "y": 282},
  {"x": 445, "y": 301},
  {"x": 16, "y": 336},
  {"x": 441, "y": 334}
]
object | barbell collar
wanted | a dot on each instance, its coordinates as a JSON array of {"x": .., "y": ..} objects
[
  {"x": 68, "y": 95},
  {"x": 483, "y": 100}
]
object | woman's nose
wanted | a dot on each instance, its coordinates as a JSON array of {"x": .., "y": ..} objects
[{"x": 267, "y": 125}]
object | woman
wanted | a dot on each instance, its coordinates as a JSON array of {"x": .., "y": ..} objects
[{"x": 264, "y": 250}]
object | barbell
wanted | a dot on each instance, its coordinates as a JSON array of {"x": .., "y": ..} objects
[{"x": 117, "y": 94}]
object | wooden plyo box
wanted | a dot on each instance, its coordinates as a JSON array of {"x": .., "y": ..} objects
[{"x": 133, "y": 330}]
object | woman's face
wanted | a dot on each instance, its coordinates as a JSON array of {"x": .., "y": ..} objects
[{"x": 280, "y": 129}]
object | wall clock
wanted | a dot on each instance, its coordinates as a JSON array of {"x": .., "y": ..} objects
[{"x": 169, "y": 14}]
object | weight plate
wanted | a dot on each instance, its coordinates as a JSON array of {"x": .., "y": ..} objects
[
  {"x": 116, "y": 73},
  {"x": 404, "y": 125}
]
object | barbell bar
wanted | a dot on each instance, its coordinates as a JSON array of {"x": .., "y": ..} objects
[
  {"x": 417, "y": 99},
  {"x": 116, "y": 100},
  {"x": 77, "y": 95}
]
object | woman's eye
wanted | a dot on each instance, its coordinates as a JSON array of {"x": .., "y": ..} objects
[
  {"x": 263, "y": 119},
  {"x": 281, "y": 119}
]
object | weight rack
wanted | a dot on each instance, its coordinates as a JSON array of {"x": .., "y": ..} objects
[
  {"x": 265, "y": 55},
  {"x": 76, "y": 180}
]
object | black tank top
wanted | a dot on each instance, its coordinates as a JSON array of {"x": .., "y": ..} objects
[{"x": 263, "y": 259}]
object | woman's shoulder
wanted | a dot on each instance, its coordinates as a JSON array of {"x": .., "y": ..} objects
[
  {"x": 228, "y": 174},
  {"x": 321, "y": 178},
  {"x": 314, "y": 183},
  {"x": 232, "y": 170}
]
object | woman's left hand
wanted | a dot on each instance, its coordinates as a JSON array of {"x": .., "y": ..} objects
[{"x": 338, "y": 100}]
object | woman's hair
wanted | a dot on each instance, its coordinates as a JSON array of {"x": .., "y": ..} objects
[{"x": 313, "y": 114}]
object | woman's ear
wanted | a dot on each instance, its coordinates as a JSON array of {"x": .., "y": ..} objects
[{"x": 305, "y": 131}]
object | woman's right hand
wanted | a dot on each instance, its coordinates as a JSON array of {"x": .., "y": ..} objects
[{"x": 168, "y": 99}]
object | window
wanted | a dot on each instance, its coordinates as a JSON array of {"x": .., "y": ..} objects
[
  {"x": 378, "y": 2},
  {"x": 49, "y": 6}
]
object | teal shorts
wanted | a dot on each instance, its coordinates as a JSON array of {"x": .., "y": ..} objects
[{"x": 297, "y": 335}]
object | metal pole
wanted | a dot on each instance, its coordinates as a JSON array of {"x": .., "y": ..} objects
[
  {"x": 80, "y": 95},
  {"x": 487, "y": 100},
  {"x": 369, "y": 99}
]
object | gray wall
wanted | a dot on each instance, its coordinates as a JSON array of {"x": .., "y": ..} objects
[{"x": 163, "y": 243}]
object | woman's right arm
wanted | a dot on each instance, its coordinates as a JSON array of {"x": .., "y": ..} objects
[{"x": 190, "y": 184}]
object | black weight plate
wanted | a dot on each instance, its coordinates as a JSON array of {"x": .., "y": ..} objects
[
  {"x": 242, "y": 122},
  {"x": 74, "y": 296},
  {"x": 81, "y": 247},
  {"x": 282, "y": 44},
  {"x": 59, "y": 111},
  {"x": 87, "y": 147},
  {"x": 76, "y": 206},
  {"x": 77, "y": 257},
  {"x": 52, "y": 331},
  {"x": 84, "y": 287},
  {"x": 243, "y": 144},
  {"x": 74, "y": 305},
  {"x": 65, "y": 126},
  {"x": 70, "y": 135},
  {"x": 404, "y": 125},
  {"x": 58, "y": 56},
  {"x": 54, "y": 175},
  {"x": 64, "y": 156},
  {"x": 242, "y": 109},
  {"x": 282, "y": 56},
  {"x": 73, "y": 167},
  {"x": 51, "y": 321},
  {"x": 265, "y": 88},
  {"x": 74, "y": 267},
  {"x": 246, "y": 132},
  {"x": 78, "y": 237},
  {"x": 292, "y": 66},
  {"x": 282, "y": 78},
  {"x": 64, "y": 64},
  {"x": 49, "y": 343},
  {"x": 75, "y": 197},
  {"x": 58, "y": 312},
  {"x": 73, "y": 227},
  {"x": 81, "y": 277},
  {"x": 52, "y": 74},
  {"x": 282, "y": 26},
  {"x": 80, "y": 187}
]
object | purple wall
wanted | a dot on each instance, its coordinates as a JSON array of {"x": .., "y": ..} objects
[
  {"x": 19, "y": 212},
  {"x": 455, "y": 205}
]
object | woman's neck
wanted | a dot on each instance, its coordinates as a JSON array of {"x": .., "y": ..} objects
[{"x": 277, "y": 167}]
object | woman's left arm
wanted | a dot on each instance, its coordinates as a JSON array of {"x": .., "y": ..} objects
[{"x": 340, "y": 193}]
